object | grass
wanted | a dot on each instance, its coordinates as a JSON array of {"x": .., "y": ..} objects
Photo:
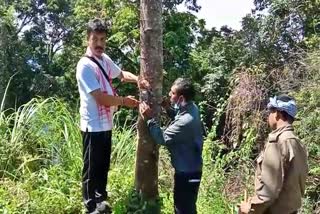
[
  {"x": 41, "y": 163},
  {"x": 40, "y": 166}
]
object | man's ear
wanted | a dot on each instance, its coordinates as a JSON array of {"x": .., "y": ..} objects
[
  {"x": 181, "y": 99},
  {"x": 278, "y": 115}
]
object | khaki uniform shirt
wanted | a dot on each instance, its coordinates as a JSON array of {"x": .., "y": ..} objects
[{"x": 280, "y": 175}]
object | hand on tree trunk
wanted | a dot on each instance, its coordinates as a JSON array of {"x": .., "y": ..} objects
[
  {"x": 130, "y": 102},
  {"x": 145, "y": 111},
  {"x": 143, "y": 83}
]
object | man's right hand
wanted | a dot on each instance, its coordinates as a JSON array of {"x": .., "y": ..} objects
[
  {"x": 143, "y": 84},
  {"x": 130, "y": 102}
]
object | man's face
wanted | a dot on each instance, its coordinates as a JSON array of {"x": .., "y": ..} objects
[
  {"x": 174, "y": 98},
  {"x": 97, "y": 43},
  {"x": 272, "y": 119}
]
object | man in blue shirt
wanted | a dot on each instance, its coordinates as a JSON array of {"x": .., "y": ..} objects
[{"x": 184, "y": 139}]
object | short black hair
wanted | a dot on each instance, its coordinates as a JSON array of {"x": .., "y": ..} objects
[
  {"x": 96, "y": 25},
  {"x": 285, "y": 98},
  {"x": 185, "y": 88}
]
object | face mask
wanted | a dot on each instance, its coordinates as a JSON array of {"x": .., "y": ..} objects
[{"x": 177, "y": 105}]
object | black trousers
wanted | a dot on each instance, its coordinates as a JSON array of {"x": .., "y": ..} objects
[
  {"x": 96, "y": 164},
  {"x": 186, "y": 187}
]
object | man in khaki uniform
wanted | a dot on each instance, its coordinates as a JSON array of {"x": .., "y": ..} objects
[{"x": 282, "y": 166}]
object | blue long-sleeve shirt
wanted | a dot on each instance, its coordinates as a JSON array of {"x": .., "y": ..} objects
[{"x": 183, "y": 138}]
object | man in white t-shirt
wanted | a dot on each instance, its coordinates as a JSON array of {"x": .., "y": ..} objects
[{"x": 98, "y": 102}]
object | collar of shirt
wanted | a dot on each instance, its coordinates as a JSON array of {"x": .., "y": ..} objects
[
  {"x": 273, "y": 136},
  {"x": 185, "y": 107}
]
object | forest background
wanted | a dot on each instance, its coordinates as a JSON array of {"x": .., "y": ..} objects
[{"x": 277, "y": 50}]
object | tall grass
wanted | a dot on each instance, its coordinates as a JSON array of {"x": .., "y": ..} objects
[
  {"x": 41, "y": 159},
  {"x": 40, "y": 165},
  {"x": 40, "y": 133},
  {"x": 124, "y": 141}
]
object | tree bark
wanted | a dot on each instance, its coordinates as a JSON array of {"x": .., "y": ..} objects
[{"x": 146, "y": 174}]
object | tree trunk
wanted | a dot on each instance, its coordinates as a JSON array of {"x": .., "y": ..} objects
[{"x": 146, "y": 174}]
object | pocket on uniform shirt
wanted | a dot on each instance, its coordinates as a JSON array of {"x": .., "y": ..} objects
[{"x": 259, "y": 165}]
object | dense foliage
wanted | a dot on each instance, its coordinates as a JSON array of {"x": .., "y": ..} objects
[{"x": 277, "y": 50}]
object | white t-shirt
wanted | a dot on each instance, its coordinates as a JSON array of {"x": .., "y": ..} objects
[{"x": 93, "y": 117}]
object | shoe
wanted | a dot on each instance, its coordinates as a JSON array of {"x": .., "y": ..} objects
[
  {"x": 95, "y": 212},
  {"x": 104, "y": 207}
]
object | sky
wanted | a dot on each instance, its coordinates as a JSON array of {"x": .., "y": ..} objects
[{"x": 222, "y": 12}]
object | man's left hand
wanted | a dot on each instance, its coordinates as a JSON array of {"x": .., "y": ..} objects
[
  {"x": 145, "y": 111},
  {"x": 245, "y": 207}
]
